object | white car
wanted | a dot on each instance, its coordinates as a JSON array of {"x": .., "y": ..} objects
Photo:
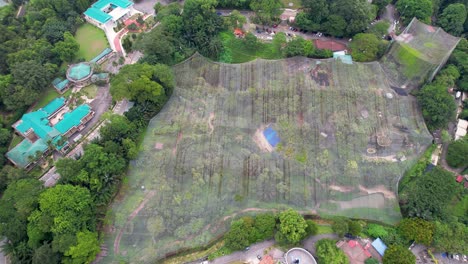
[{"x": 457, "y": 95}]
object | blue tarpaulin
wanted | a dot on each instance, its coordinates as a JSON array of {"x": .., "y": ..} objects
[
  {"x": 271, "y": 136},
  {"x": 379, "y": 246}
]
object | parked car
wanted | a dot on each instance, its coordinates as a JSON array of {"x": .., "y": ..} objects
[{"x": 458, "y": 94}]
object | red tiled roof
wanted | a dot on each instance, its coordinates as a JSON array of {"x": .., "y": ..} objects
[
  {"x": 267, "y": 260},
  {"x": 238, "y": 31},
  {"x": 459, "y": 178},
  {"x": 329, "y": 45}
]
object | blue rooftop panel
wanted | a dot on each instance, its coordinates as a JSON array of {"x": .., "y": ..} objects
[
  {"x": 120, "y": 3},
  {"x": 21, "y": 153},
  {"x": 271, "y": 136},
  {"x": 97, "y": 15},
  {"x": 72, "y": 118},
  {"x": 53, "y": 106},
  {"x": 101, "y": 55},
  {"x": 379, "y": 245}
]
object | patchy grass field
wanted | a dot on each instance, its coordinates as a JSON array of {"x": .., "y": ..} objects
[
  {"x": 92, "y": 41},
  {"x": 296, "y": 4},
  {"x": 238, "y": 52},
  {"x": 48, "y": 96},
  {"x": 324, "y": 229},
  {"x": 90, "y": 91}
]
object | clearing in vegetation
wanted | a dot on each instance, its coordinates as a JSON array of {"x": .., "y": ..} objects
[
  {"x": 92, "y": 41},
  {"x": 205, "y": 158},
  {"x": 319, "y": 136}
]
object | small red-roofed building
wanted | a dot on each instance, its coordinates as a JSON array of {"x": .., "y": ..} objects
[
  {"x": 267, "y": 259},
  {"x": 459, "y": 178}
]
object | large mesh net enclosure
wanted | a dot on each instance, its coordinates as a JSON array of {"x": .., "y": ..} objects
[
  {"x": 416, "y": 55},
  {"x": 319, "y": 136}
]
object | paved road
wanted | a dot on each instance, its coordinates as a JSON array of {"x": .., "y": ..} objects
[
  {"x": 248, "y": 256},
  {"x": 309, "y": 243}
]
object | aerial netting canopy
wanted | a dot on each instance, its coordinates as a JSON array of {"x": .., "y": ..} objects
[
  {"x": 417, "y": 55},
  {"x": 319, "y": 136}
]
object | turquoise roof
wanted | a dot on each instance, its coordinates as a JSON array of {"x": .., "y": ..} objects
[
  {"x": 53, "y": 106},
  {"x": 60, "y": 84},
  {"x": 99, "y": 77},
  {"x": 21, "y": 153},
  {"x": 95, "y": 11},
  {"x": 39, "y": 123},
  {"x": 72, "y": 118},
  {"x": 97, "y": 15},
  {"x": 101, "y": 55},
  {"x": 79, "y": 71},
  {"x": 120, "y": 3}
]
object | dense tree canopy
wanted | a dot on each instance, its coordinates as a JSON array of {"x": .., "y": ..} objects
[
  {"x": 328, "y": 253},
  {"x": 417, "y": 229},
  {"x": 428, "y": 195},
  {"x": 67, "y": 48},
  {"x": 452, "y": 18},
  {"x": 421, "y": 9},
  {"x": 451, "y": 237},
  {"x": 292, "y": 226},
  {"x": 457, "y": 153},
  {"x": 266, "y": 11},
  {"x": 437, "y": 105},
  {"x": 365, "y": 47},
  {"x": 397, "y": 254}
]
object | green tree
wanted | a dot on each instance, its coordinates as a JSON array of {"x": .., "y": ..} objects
[
  {"x": 397, "y": 254},
  {"x": 292, "y": 226},
  {"x": 354, "y": 227},
  {"x": 417, "y": 229},
  {"x": 437, "y": 105},
  {"x": 421, "y": 9},
  {"x": 356, "y": 13},
  {"x": 85, "y": 250},
  {"x": 335, "y": 26},
  {"x": 340, "y": 226},
  {"x": 299, "y": 47},
  {"x": 264, "y": 225},
  {"x": 266, "y": 10},
  {"x": 65, "y": 209},
  {"x": 328, "y": 253},
  {"x": 371, "y": 261},
  {"x": 238, "y": 235},
  {"x": 251, "y": 41},
  {"x": 317, "y": 10},
  {"x": 376, "y": 231},
  {"x": 379, "y": 29},
  {"x": 312, "y": 228},
  {"x": 45, "y": 254},
  {"x": 450, "y": 237},
  {"x": 427, "y": 196},
  {"x": 364, "y": 47},
  {"x": 457, "y": 153},
  {"x": 452, "y": 18},
  {"x": 67, "y": 48}
]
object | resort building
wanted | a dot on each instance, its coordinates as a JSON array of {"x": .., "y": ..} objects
[
  {"x": 109, "y": 12},
  {"x": 46, "y": 129}
]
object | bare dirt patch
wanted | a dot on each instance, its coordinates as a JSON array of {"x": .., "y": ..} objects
[
  {"x": 210, "y": 122},
  {"x": 378, "y": 189},
  {"x": 261, "y": 141},
  {"x": 341, "y": 188}
]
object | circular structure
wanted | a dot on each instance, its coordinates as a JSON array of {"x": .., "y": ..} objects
[
  {"x": 299, "y": 256},
  {"x": 371, "y": 150},
  {"x": 389, "y": 95},
  {"x": 79, "y": 73}
]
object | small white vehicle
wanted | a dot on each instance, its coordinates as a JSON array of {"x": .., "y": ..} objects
[{"x": 457, "y": 95}]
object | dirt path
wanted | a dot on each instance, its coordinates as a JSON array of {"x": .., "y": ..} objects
[
  {"x": 179, "y": 137},
  {"x": 130, "y": 218},
  {"x": 210, "y": 122},
  {"x": 378, "y": 189}
]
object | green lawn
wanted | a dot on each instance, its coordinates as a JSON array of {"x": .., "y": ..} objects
[
  {"x": 239, "y": 53},
  {"x": 92, "y": 41},
  {"x": 296, "y": 4},
  {"x": 48, "y": 96},
  {"x": 324, "y": 229},
  {"x": 90, "y": 91}
]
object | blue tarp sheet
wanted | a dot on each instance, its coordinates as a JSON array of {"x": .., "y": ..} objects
[{"x": 271, "y": 136}]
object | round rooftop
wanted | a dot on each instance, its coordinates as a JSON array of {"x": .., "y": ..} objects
[
  {"x": 299, "y": 256},
  {"x": 79, "y": 72}
]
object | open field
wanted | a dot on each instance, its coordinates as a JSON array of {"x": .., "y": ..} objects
[
  {"x": 345, "y": 138},
  {"x": 92, "y": 41},
  {"x": 239, "y": 52},
  {"x": 48, "y": 96}
]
